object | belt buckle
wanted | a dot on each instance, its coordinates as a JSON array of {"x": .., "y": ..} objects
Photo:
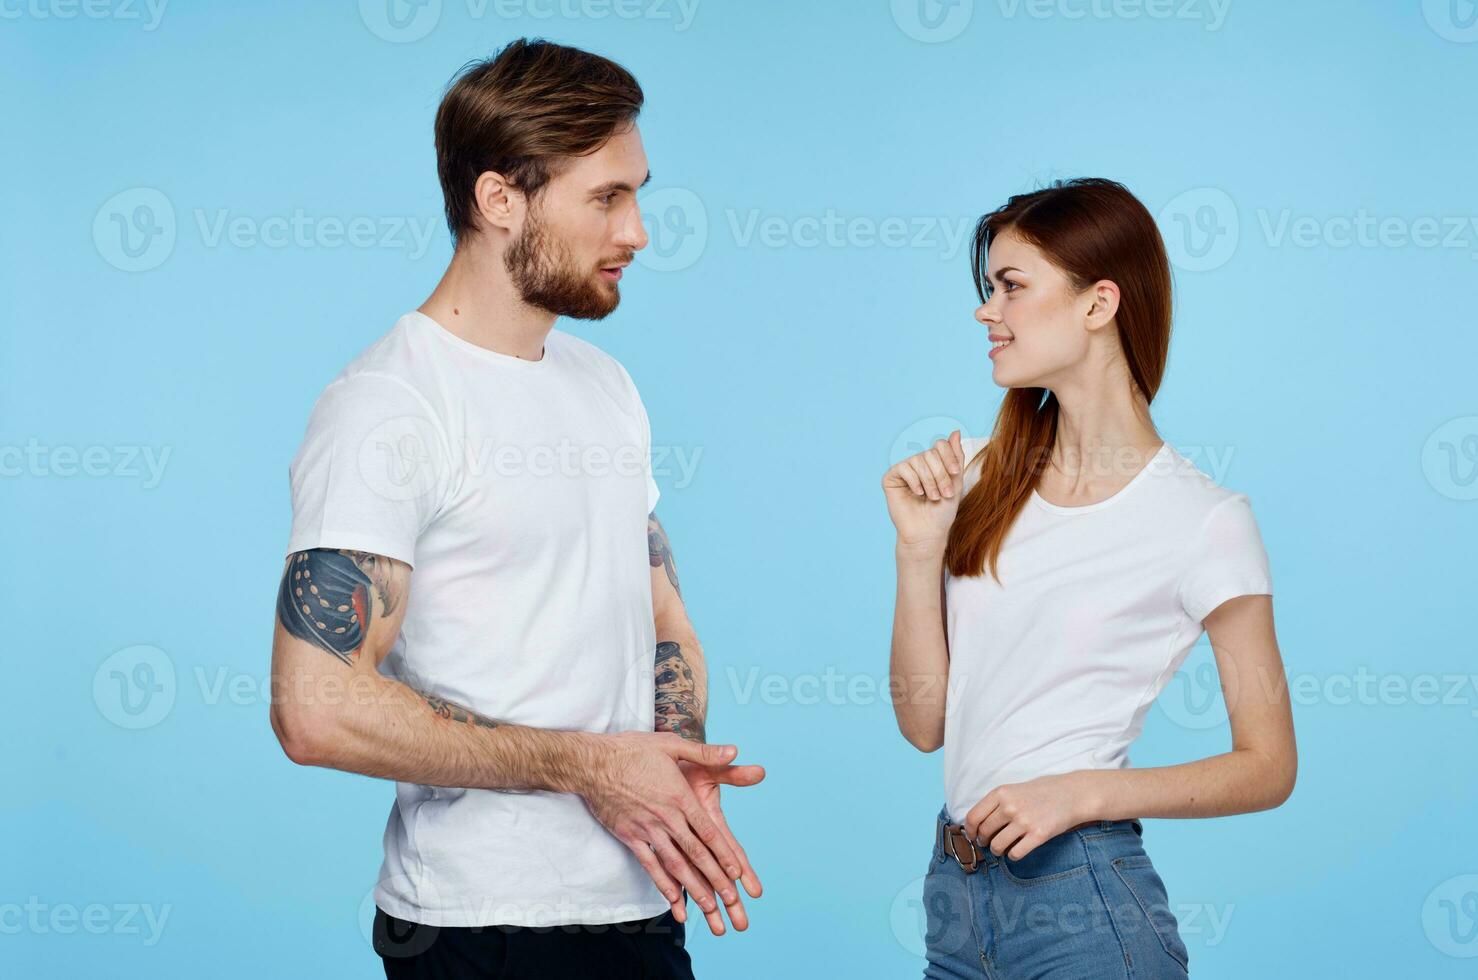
[{"x": 949, "y": 846}]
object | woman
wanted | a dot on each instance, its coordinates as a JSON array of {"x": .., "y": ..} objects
[{"x": 1081, "y": 557}]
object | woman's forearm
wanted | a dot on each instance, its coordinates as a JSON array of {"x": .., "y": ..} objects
[
  {"x": 918, "y": 668},
  {"x": 1239, "y": 781}
]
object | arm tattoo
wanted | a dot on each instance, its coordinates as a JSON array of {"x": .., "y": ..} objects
[
  {"x": 455, "y": 712},
  {"x": 327, "y": 598},
  {"x": 659, "y": 552},
  {"x": 677, "y": 694}
]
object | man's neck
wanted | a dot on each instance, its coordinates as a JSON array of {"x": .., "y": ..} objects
[{"x": 477, "y": 301}]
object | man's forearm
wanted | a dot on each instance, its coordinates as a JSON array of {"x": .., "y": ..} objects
[
  {"x": 380, "y": 727},
  {"x": 681, "y": 681},
  {"x": 681, "y": 674}
]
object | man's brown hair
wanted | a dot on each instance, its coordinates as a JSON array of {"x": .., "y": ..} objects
[{"x": 523, "y": 113}]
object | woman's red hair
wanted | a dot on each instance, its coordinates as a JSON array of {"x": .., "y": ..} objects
[{"x": 1092, "y": 229}]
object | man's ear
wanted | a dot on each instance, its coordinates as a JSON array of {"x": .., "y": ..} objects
[
  {"x": 498, "y": 203},
  {"x": 1103, "y": 299}
]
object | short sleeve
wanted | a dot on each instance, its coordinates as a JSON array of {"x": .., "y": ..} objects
[
  {"x": 646, "y": 432},
  {"x": 652, "y": 492},
  {"x": 1227, "y": 559},
  {"x": 372, "y": 471}
]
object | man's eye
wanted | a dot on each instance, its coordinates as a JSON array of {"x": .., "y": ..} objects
[{"x": 606, "y": 199}]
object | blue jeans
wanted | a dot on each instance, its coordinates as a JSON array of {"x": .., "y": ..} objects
[{"x": 1087, "y": 903}]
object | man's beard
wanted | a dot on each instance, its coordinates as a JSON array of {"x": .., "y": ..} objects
[{"x": 546, "y": 276}]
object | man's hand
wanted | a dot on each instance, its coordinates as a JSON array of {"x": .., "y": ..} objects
[
  {"x": 681, "y": 708},
  {"x": 638, "y": 792},
  {"x": 1013, "y": 820},
  {"x": 705, "y": 782}
]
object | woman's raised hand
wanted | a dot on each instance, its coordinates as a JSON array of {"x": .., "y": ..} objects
[{"x": 923, "y": 493}]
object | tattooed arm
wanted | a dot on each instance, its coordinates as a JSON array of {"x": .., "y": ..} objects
[
  {"x": 338, "y": 614},
  {"x": 682, "y": 675},
  {"x": 682, "y": 701}
]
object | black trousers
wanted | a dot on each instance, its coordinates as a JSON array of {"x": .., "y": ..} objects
[{"x": 643, "y": 949}]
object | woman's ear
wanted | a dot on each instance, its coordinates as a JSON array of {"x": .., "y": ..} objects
[{"x": 1103, "y": 306}]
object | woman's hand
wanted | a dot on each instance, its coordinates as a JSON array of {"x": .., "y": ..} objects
[
  {"x": 923, "y": 493},
  {"x": 1013, "y": 820}
]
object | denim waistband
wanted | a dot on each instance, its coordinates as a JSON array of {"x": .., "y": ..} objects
[{"x": 1133, "y": 826}]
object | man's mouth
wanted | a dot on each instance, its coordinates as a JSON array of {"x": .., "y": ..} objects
[{"x": 612, "y": 272}]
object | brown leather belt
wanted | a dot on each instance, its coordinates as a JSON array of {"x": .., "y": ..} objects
[{"x": 958, "y": 845}]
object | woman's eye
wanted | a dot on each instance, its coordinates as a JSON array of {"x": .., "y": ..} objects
[{"x": 1010, "y": 286}]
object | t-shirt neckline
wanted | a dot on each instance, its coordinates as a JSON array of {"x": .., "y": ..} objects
[
  {"x": 1118, "y": 495},
  {"x": 491, "y": 356}
]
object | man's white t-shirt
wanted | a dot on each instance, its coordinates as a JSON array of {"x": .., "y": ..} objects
[
  {"x": 518, "y": 492},
  {"x": 1053, "y": 668}
]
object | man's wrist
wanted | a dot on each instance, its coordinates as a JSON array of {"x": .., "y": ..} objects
[{"x": 573, "y": 761}]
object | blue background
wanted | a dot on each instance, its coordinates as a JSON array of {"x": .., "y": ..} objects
[{"x": 1337, "y": 380}]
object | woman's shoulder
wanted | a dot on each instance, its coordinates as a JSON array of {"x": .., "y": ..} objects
[
  {"x": 1196, "y": 488},
  {"x": 972, "y": 444},
  {"x": 972, "y": 447}
]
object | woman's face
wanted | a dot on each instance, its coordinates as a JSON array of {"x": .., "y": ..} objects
[{"x": 1034, "y": 308}]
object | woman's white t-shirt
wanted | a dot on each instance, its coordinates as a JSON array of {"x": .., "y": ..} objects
[{"x": 1053, "y": 668}]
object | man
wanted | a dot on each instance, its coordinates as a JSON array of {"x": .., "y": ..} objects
[{"x": 479, "y": 602}]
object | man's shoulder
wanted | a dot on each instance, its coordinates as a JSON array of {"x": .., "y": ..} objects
[
  {"x": 389, "y": 354},
  {"x": 587, "y": 354},
  {"x": 382, "y": 376},
  {"x": 601, "y": 367}
]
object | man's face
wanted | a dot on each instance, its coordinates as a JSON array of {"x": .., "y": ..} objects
[{"x": 581, "y": 230}]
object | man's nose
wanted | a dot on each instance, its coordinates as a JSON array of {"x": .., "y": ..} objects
[{"x": 633, "y": 233}]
